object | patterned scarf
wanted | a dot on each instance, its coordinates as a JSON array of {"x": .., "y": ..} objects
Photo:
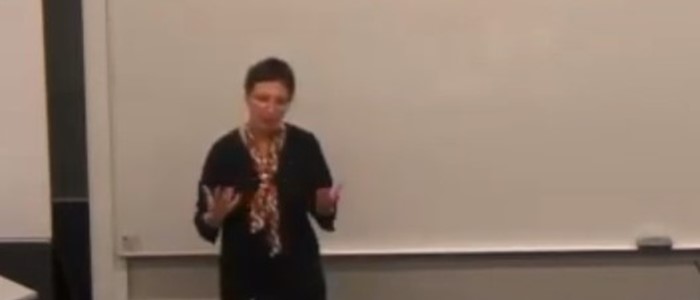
[{"x": 264, "y": 215}]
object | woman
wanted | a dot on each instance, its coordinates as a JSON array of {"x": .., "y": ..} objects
[{"x": 259, "y": 185}]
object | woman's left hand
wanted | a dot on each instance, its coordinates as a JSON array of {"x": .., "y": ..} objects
[{"x": 327, "y": 200}]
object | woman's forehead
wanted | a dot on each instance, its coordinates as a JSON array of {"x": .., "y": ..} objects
[{"x": 270, "y": 87}]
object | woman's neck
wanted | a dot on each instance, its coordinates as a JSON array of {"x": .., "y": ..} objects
[{"x": 261, "y": 133}]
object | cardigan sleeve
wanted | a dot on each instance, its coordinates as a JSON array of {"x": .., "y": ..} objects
[
  {"x": 321, "y": 178},
  {"x": 208, "y": 176}
]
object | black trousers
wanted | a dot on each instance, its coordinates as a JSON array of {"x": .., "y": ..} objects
[{"x": 277, "y": 280}]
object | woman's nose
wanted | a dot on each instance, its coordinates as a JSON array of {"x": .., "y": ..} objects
[{"x": 276, "y": 108}]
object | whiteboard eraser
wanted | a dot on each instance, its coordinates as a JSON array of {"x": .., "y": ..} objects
[{"x": 655, "y": 243}]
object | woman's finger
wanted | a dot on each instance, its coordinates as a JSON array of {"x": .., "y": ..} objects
[
  {"x": 217, "y": 194},
  {"x": 209, "y": 197},
  {"x": 233, "y": 202},
  {"x": 228, "y": 194},
  {"x": 335, "y": 192}
]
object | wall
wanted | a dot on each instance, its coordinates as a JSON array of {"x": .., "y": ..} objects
[
  {"x": 556, "y": 277},
  {"x": 24, "y": 179},
  {"x": 542, "y": 277},
  {"x": 25, "y": 220}
]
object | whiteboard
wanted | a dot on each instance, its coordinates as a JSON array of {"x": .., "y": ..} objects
[
  {"x": 24, "y": 155},
  {"x": 456, "y": 126}
]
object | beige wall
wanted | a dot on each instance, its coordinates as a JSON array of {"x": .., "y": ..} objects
[
  {"x": 24, "y": 164},
  {"x": 609, "y": 277}
]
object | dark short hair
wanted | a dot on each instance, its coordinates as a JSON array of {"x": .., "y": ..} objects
[{"x": 270, "y": 69}]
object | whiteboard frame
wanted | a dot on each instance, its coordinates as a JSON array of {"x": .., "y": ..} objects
[{"x": 109, "y": 271}]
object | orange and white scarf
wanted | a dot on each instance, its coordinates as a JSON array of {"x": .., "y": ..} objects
[{"x": 264, "y": 213}]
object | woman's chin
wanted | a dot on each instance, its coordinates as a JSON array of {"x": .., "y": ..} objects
[
  {"x": 273, "y": 124},
  {"x": 268, "y": 126}
]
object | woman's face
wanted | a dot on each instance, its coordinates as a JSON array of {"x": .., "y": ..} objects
[{"x": 268, "y": 103}]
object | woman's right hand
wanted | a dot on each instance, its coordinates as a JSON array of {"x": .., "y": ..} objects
[{"x": 220, "y": 204}]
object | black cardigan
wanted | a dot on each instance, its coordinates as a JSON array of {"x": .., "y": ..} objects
[{"x": 246, "y": 269}]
